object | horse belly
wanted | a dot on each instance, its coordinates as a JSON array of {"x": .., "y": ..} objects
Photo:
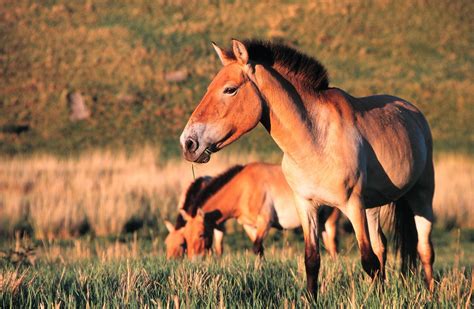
[
  {"x": 393, "y": 168},
  {"x": 287, "y": 216}
]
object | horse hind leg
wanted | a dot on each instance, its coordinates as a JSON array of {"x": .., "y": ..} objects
[
  {"x": 329, "y": 234},
  {"x": 425, "y": 248},
  {"x": 419, "y": 201}
]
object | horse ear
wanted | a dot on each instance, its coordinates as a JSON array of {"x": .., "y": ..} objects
[
  {"x": 169, "y": 226},
  {"x": 200, "y": 212},
  {"x": 240, "y": 52},
  {"x": 222, "y": 56},
  {"x": 185, "y": 215}
]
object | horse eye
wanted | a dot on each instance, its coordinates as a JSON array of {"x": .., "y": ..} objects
[{"x": 230, "y": 90}]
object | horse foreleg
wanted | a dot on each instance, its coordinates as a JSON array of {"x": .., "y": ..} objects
[
  {"x": 252, "y": 233},
  {"x": 355, "y": 211},
  {"x": 308, "y": 214},
  {"x": 218, "y": 239},
  {"x": 262, "y": 231},
  {"x": 377, "y": 238}
]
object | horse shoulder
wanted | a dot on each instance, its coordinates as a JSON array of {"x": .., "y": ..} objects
[{"x": 248, "y": 192}]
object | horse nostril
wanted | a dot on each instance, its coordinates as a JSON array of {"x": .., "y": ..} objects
[{"x": 190, "y": 145}]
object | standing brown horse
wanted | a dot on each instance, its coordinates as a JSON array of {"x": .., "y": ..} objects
[
  {"x": 355, "y": 154},
  {"x": 258, "y": 196}
]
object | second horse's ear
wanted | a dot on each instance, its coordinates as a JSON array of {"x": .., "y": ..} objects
[
  {"x": 240, "y": 52},
  {"x": 169, "y": 226},
  {"x": 201, "y": 213},
  {"x": 185, "y": 215},
  {"x": 222, "y": 56}
]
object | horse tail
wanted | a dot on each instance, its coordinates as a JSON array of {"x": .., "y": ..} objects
[{"x": 405, "y": 235}]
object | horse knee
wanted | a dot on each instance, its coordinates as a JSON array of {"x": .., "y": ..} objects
[{"x": 258, "y": 247}]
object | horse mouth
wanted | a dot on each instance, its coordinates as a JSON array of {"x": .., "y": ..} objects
[{"x": 205, "y": 155}]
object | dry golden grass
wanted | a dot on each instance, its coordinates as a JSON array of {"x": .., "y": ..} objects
[
  {"x": 104, "y": 190},
  {"x": 454, "y": 194},
  {"x": 10, "y": 281}
]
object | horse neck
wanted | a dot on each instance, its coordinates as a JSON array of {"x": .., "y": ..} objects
[
  {"x": 222, "y": 201},
  {"x": 291, "y": 122}
]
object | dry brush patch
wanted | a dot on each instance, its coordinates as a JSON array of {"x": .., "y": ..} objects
[
  {"x": 103, "y": 192},
  {"x": 108, "y": 193},
  {"x": 454, "y": 193}
]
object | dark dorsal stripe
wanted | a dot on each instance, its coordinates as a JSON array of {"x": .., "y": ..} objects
[
  {"x": 213, "y": 187},
  {"x": 190, "y": 198},
  {"x": 296, "y": 66}
]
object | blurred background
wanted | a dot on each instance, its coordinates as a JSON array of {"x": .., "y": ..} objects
[{"x": 94, "y": 95}]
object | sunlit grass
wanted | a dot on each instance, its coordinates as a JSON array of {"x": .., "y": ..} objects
[{"x": 135, "y": 273}]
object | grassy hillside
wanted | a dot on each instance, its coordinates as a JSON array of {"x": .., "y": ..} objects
[{"x": 119, "y": 54}]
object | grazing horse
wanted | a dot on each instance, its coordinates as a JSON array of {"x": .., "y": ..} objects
[
  {"x": 355, "y": 154},
  {"x": 258, "y": 196},
  {"x": 175, "y": 242}
]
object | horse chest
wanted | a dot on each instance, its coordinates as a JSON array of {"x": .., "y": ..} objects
[{"x": 315, "y": 183}]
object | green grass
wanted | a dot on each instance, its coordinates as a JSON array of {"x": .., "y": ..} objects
[
  {"x": 109, "y": 50},
  {"x": 137, "y": 274}
]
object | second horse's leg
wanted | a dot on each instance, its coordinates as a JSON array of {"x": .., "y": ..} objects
[
  {"x": 330, "y": 232},
  {"x": 218, "y": 238},
  {"x": 261, "y": 233}
]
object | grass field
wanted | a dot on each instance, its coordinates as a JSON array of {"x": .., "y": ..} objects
[
  {"x": 133, "y": 272},
  {"x": 82, "y": 203},
  {"x": 95, "y": 235}
]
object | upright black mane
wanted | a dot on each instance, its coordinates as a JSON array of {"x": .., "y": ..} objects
[
  {"x": 190, "y": 198},
  {"x": 298, "y": 67},
  {"x": 212, "y": 187}
]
